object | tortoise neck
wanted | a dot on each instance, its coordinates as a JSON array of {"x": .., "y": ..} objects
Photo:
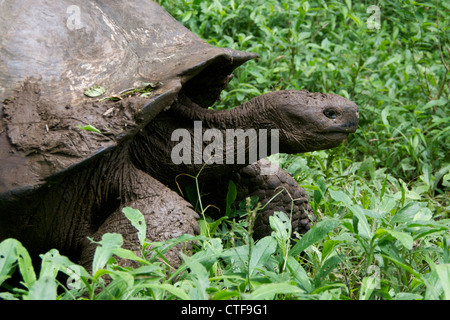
[
  {"x": 245, "y": 116},
  {"x": 184, "y": 138}
]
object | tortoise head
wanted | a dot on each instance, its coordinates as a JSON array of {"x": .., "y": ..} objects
[{"x": 312, "y": 121}]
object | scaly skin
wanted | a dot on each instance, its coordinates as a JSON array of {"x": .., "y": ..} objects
[{"x": 87, "y": 200}]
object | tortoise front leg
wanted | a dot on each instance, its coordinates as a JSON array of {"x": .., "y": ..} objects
[
  {"x": 280, "y": 189},
  {"x": 166, "y": 214},
  {"x": 276, "y": 186}
]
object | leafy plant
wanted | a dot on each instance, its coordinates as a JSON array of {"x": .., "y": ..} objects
[
  {"x": 381, "y": 199},
  {"x": 270, "y": 268}
]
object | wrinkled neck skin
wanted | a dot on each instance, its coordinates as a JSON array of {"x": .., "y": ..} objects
[
  {"x": 152, "y": 150},
  {"x": 255, "y": 112}
]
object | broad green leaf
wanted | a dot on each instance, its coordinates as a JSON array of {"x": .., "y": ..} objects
[
  {"x": 226, "y": 295},
  {"x": 387, "y": 204},
  {"x": 408, "y": 296},
  {"x": 405, "y": 239},
  {"x": 105, "y": 250},
  {"x": 340, "y": 196},
  {"x": 53, "y": 261},
  {"x": 204, "y": 228},
  {"x": 355, "y": 18},
  {"x": 128, "y": 254},
  {"x": 170, "y": 288},
  {"x": 138, "y": 221},
  {"x": 317, "y": 233},
  {"x": 7, "y": 296},
  {"x": 325, "y": 269},
  {"x": 380, "y": 233},
  {"x": 208, "y": 228},
  {"x": 438, "y": 281},
  {"x": 349, "y": 4},
  {"x": 12, "y": 252},
  {"x": 94, "y": 91},
  {"x": 441, "y": 102},
  {"x": 43, "y": 289},
  {"x": 364, "y": 229},
  {"x": 299, "y": 273},
  {"x": 267, "y": 291},
  {"x": 90, "y": 128},
  {"x": 407, "y": 213},
  {"x": 303, "y": 35},
  {"x": 282, "y": 228},
  {"x": 8, "y": 258},
  {"x": 187, "y": 16},
  {"x": 446, "y": 180},
  {"x": 25, "y": 266},
  {"x": 238, "y": 256},
  {"x": 261, "y": 252},
  {"x": 328, "y": 247},
  {"x": 368, "y": 285},
  {"x": 199, "y": 276},
  {"x": 443, "y": 273},
  {"x": 305, "y": 6},
  {"x": 149, "y": 269},
  {"x": 393, "y": 251}
]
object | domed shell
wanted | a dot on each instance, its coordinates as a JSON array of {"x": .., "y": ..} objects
[{"x": 52, "y": 52}]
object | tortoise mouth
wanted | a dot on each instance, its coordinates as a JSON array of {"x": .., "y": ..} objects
[
  {"x": 347, "y": 128},
  {"x": 338, "y": 134},
  {"x": 344, "y": 130},
  {"x": 335, "y": 136}
]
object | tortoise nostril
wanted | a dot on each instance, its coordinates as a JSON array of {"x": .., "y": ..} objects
[{"x": 330, "y": 113}]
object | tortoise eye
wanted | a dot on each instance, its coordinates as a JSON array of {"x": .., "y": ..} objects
[{"x": 330, "y": 113}]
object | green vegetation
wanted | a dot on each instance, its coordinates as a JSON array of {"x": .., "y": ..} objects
[{"x": 382, "y": 199}]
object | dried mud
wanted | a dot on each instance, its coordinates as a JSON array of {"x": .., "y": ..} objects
[{"x": 39, "y": 138}]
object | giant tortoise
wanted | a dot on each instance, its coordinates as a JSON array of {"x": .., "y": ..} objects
[{"x": 69, "y": 161}]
